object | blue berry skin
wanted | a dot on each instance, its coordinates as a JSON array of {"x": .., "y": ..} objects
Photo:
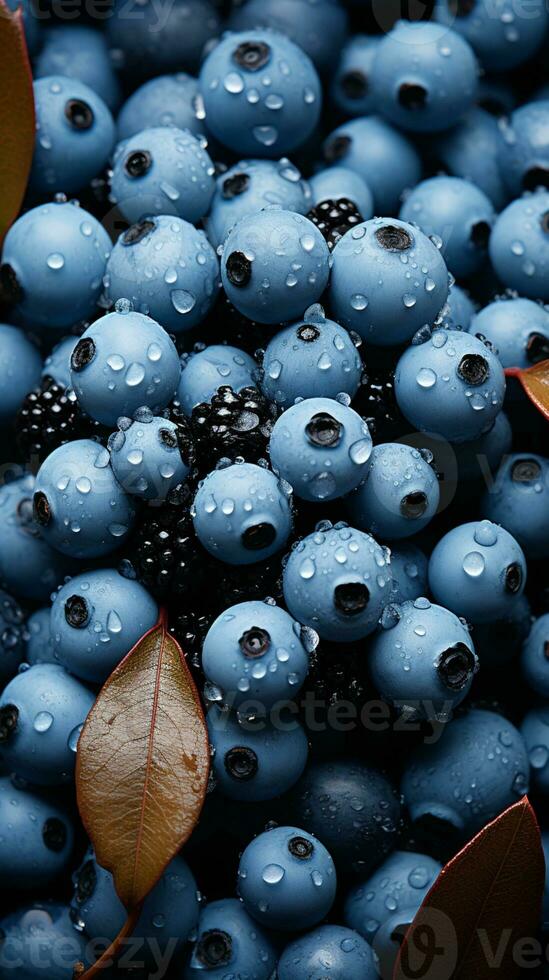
[
  {"x": 169, "y": 913},
  {"x": 96, "y": 619},
  {"x": 58, "y": 362},
  {"x": 146, "y": 456},
  {"x": 461, "y": 308},
  {"x": 43, "y": 710},
  {"x": 451, "y": 384},
  {"x": 255, "y": 651},
  {"x": 535, "y": 657},
  {"x": 328, "y": 951},
  {"x": 524, "y": 148},
  {"x": 400, "y": 494},
  {"x": 317, "y": 26},
  {"x": 29, "y": 567},
  {"x": 122, "y": 362},
  {"x": 401, "y": 882},
  {"x": 274, "y": 265},
  {"x": 287, "y": 879},
  {"x": 352, "y": 808},
  {"x": 337, "y": 580},
  {"x": 58, "y": 253},
  {"x": 471, "y": 150},
  {"x": 39, "y": 648},
  {"x": 162, "y": 170},
  {"x": 321, "y": 448},
  {"x": 487, "y": 451},
  {"x": 351, "y": 91},
  {"x": 409, "y": 572},
  {"x": 314, "y": 358},
  {"x": 245, "y": 950},
  {"x": 251, "y": 185},
  {"x": 149, "y": 46},
  {"x": 241, "y": 514},
  {"x": 13, "y": 631},
  {"x": 423, "y": 77},
  {"x": 244, "y": 114},
  {"x": 383, "y": 157},
  {"x": 79, "y": 507},
  {"x": 425, "y": 662},
  {"x": 519, "y": 501},
  {"x": 517, "y": 328},
  {"x": 169, "y": 100},
  {"x": 477, "y": 768},
  {"x": 80, "y": 52},
  {"x": 207, "y": 370},
  {"x": 36, "y": 837},
  {"x": 20, "y": 370},
  {"x": 388, "y": 940},
  {"x": 457, "y": 212},
  {"x": 373, "y": 289},
  {"x": 166, "y": 268},
  {"x": 519, "y": 246},
  {"x": 252, "y": 765},
  {"x": 477, "y": 570},
  {"x": 335, "y": 183},
  {"x": 503, "y": 36},
  {"x": 535, "y": 732},
  {"x": 74, "y": 136},
  {"x": 42, "y": 941}
]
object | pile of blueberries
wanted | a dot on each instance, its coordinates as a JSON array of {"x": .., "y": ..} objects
[{"x": 273, "y": 261}]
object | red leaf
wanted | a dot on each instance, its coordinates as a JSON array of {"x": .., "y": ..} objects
[
  {"x": 16, "y": 115},
  {"x": 535, "y": 381},
  {"x": 486, "y": 900}
]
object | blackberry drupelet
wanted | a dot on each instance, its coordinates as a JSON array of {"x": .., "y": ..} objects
[
  {"x": 334, "y": 218},
  {"x": 50, "y": 417},
  {"x": 232, "y": 424}
]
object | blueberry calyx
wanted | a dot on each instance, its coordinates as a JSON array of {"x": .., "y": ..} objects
[
  {"x": 168, "y": 438},
  {"x": 462, "y": 8},
  {"x": 525, "y": 471},
  {"x": 137, "y": 163},
  {"x": 324, "y": 430},
  {"x": 413, "y": 505},
  {"x": 25, "y": 515},
  {"x": 300, "y": 847},
  {"x": 252, "y": 55},
  {"x": 85, "y": 883},
  {"x": 138, "y": 231},
  {"x": 41, "y": 509},
  {"x": 307, "y": 332},
  {"x": 336, "y": 148},
  {"x": 351, "y": 598},
  {"x": 11, "y": 291},
  {"x": 455, "y": 666},
  {"x": 79, "y": 114},
  {"x": 9, "y": 716},
  {"x": 241, "y": 763},
  {"x": 480, "y": 235},
  {"x": 473, "y": 369},
  {"x": 83, "y": 354},
  {"x": 513, "y": 578},
  {"x": 537, "y": 348},
  {"x": 258, "y": 536},
  {"x": 544, "y": 222},
  {"x": 54, "y": 834},
  {"x": 235, "y": 185},
  {"x": 393, "y": 238},
  {"x": 534, "y": 178},
  {"x": 354, "y": 84},
  {"x": 255, "y": 642},
  {"x": 239, "y": 269},
  {"x": 412, "y": 96},
  {"x": 76, "y": 612},
  {"x": 214, "y": 948}
]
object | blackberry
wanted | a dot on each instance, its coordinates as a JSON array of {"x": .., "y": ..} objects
[
  {"x": 336, "y": 676},
  {"x": 49, "y": 417},
  {"x": 334, "y": 218},
  {"x": 376, "y": 402},
  {"x": 232, "y": 424}
]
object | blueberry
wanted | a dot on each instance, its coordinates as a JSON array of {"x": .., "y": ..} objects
[
  {"x": 328, "y": 951},
  {"x": 409, "y": 572},
  {"x": 475, "y": 457},
  {"x": 147, "y": 45},
  {"x": 535, "y": 657},
  {"x": 337, "y": 183},
  {"x": 321, "y": 448},
  {"x": 478, "y": 571},
  {"x": 500, "y": 39},
  {"x": 524, "y": 157},
  {"x": 287, "y": 879},
  {"x": 43, "y": 942},
  {"x": 36, "y": 837},
  {"x": 151, "y": 456},
  {"x": 241, "y": 514},
  {"x": 519, "y": 246},
  {"x": 337, "y": 580},
  {"x": 20, "y": 367},
  {"x": 39, "y": 649},
  {"x": 209, "y": 369},
  {"x": 351, "y": 88},
  {"x": 518, "y": 329},
  {"x": 80, "y": 52},
  {"x": 255, "y": 651},
  {"x": 535, "y": 732},
  {"x": 472, "y": 150},
  {"x": 167, "y": 99},
  {"x": 229, "y": 939},
  {"x": 518, "y": 500}
]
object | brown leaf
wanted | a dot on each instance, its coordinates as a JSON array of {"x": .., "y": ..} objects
[
  {"x": 535, "y": 381},
  {"x": 16, "y": 115},
  {"x": 484, "y": 901},
  {"x": 142, "y": 766}
]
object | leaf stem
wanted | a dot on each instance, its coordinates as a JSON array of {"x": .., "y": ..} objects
[{"x": 112, "y": 951}]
